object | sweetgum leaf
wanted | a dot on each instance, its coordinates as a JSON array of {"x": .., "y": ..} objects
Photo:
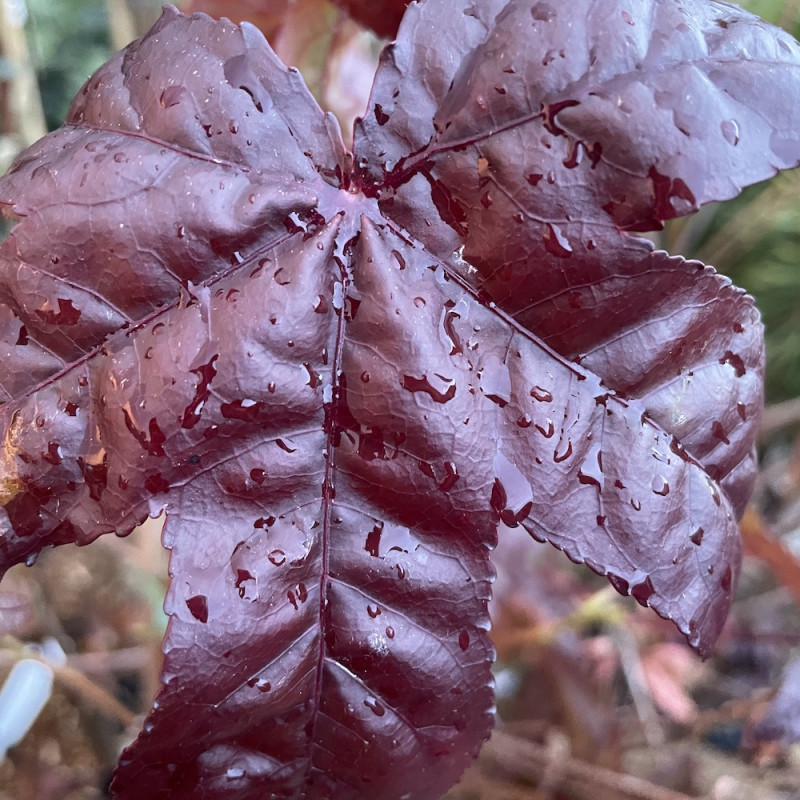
[
  {"x": 538, "y": 133},
  {"x": 337, "y": 381}
]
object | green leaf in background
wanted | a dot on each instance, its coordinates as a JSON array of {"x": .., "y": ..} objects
[{"x": 69, "y": 41}]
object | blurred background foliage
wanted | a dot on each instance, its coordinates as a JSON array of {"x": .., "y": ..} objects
[
  {"x": 69, "y": 40},
  {"x": 599, "y": 688}
]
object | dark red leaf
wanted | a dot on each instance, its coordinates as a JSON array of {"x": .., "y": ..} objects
[
  {"x": 383, "y": 17},
  {"x": 338, "y": 381}
]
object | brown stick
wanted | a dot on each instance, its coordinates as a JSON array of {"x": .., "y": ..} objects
[
  {"x": 93, "y": 694},
  {"x": 780, "y": 415},
  {"x": 529, "y": 761}
]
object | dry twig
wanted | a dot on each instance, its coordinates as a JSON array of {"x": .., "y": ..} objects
[{"x": 529, "y": 761}]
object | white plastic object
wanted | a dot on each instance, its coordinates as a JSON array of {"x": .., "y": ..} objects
[{"x": 24, "y": 694}]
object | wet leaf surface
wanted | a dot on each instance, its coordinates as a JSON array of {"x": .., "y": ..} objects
[{"x": 338, "y": 373}]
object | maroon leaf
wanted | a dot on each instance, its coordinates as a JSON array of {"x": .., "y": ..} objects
[
  {"x": 383, "y": 18},
  {"x": 338, "y": 382},
  {"x": 631, "y": 123}
]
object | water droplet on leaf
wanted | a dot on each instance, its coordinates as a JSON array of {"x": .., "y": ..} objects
[
  {"x": 730, "y": 130},
  {"x": 373, "y": 705},
  {"x": 198, "y": 606}
]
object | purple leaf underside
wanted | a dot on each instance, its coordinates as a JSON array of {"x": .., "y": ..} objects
[{"x": 338, "y": 381}]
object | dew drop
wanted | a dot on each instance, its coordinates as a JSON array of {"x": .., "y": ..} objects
[
  {"x": 96, "y": 477},
  {"x": 559, "y": 457},
  {"x": 547, "y": 430},
  {"x": 588, "y": 480},
  {"x": 543, "y": 12},
  {"x": 281, "y": 277},
  {"x": 277, "y": 557},
  {"x": 171, "y": 96},
  {"x": 730, "y": 130},
  {"x": 390, "y": 632},
  {"x": 556, "y": 243},
  {"x": 373, "y": 705},
  {"x": 314, "y": 378},
  {"x": 719, "y": 432},
  {"x": 381, "y": 117},
  {"x": 53, "y": 454},
  {"x": 512, "y": 496},
  {"x": 726, "y": 582},
  {"x": 642, "y": 592},
  {"x": 463, "y": 640},
  {"x": 243, "y": 577},
  {"x": 735, "y": 361},
  {"x": 423, "y": 384},
  {"x": 524, "y": 421},
  {"x": 541, "y": 395},
  {"x": 426, "y": 469},
  {"x": 619, "y": 583},
  {"x": 246, "y": 410},
  {"x": 451, "y": 477},
  {"x": 373, "y": 610},
  {"x": 660, "y": 486},
  {"x": 549, "y": 57},
  {"x": 198, "y": 606},
  {"x": 697, "y": 537},
  {"x": 298, "y": 595},
  {"x": 373, "y": 542}
]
